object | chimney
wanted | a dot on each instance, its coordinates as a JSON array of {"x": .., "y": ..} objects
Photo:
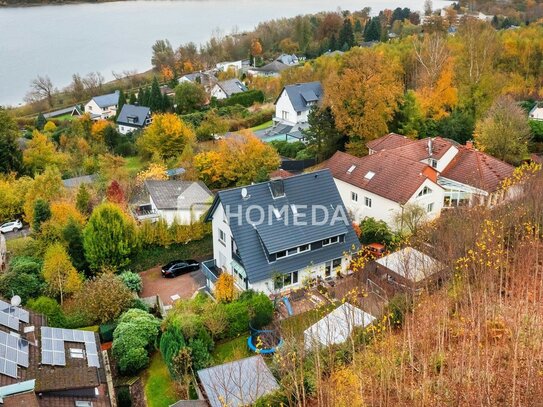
[
  {"x": 469, "y": 145},
  {"x": 430, "y": 149}
]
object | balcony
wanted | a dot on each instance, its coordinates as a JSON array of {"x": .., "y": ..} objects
[
  {"x": 210, "y": 270},
  {"x": 145, "y": 212}
]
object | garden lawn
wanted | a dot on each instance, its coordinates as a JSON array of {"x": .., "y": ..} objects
[
  {"x": 262, "y": 126},
  {"x": 153, "y": 256},
  {"x": 133, "y": 165},
  {"x": 231, "y": 350},
  {"x": 159, "y": 387},
  {"x": 17, "y": 246}
]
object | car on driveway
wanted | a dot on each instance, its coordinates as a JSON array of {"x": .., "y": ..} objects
[
  {"x": 178, "y": 267},
  {"x": 12, "y": 226}
]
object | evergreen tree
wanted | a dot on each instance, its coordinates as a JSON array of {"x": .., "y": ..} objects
[
  {"x": 166, "y": 103},
  {"x": 373, "y": 31},
  {"x": 333, "y": 43},
  {"x": 146, "y": 96},
  {"x": 73, "y": 237},
  {"x": 111, "y": 137},
  {"x": 346, "y": 35},
  {"x": 82, "y": 200},
  {"x": 40, "y": 121},
  {"x": 11, "y": 157},
  {"x": 132, "y": 99},
  {"x": 322, "y": 136},
  {"x": 121, "y": 103},
  {"x": 358, "y": 27},
  {"x": 42, "y": 213},
  {"x": 155, "y": 98},
  {"x": 140, "y": 97}
]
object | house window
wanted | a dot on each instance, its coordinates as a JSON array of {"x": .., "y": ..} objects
[
  {"x": 354, "y": 197},
  {"x": 222, "y": 236},
  {"x": 433, "y": 163},
  {"x": 280, "y": 255},
  {"x": 430, "y": 207},
  {"x": 425, "y": 191},
  {"x": 286, "y": 280},
  {"x": 331, "y": 240},
  {"x": 284, "y": 115},
  {"x": 332, "y": 265},
  {"x": 292, "y": 252},
  {"x": 299, "y": 113},
  {"x": 367, "y": 202}
]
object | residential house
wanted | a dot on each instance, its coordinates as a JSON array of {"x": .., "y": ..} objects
[
  {"x": 103, "y": 107},
  {"x": 225, "y": 89},
  {"x": 434, "y": 173},
  {"x": 290, "y": 60},
  {"x": 225, "y": 66},
  {"x": 207, "y": 80},
  {"x": 294, "y": 102},
  {"x": 181, "y": 201},
  {"x": 238, "y": 383},
  {"x": 72, "y": 111},
  {"x": 273, "y": 236},
  {"x": 537, "y": 112},
  {"x": 133, "y": 118},
  {"x": 407, "y": 269},
  {"x": 273, "y": 69},
  {"x": 42, "y": 366},
  {"x": 382, "y": 184}
]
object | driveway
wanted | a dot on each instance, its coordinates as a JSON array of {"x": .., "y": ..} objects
[
  {"x": 25, "y": 231},
  {"x": 181, "y": 287}
]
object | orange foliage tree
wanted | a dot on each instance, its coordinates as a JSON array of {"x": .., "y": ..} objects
[{"x": 224, "y": 288}]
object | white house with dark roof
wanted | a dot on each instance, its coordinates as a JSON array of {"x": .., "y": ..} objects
[
  {"x": 537, "y": 112},
  {"x": 225, "y": 89},
  {"x": 104, "y": 106},
  {"x": 182, "y": 201},
  {"x": 133, "y": 118},
  {"x": 295, "y": 101},
  {"x": 273, "y": 236}
]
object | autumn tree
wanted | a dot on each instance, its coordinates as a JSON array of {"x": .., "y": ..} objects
[
  {"x": 163, "y": 55},
  {"x": 41, "y": 152},
  {"x": 410, "y": 218},
  {"x": 224, "y": 288},
  {"x": 256, "y": 50},
  {"x": 165, "y": 138},
  {"x": 82, "y": 199},
  {"x": 47, "y": 186},
  {"x": 59, "y": 273},
  {"x": 115, "y": 194},
  {"x": 11, "y": 158},
  {"x": 189, "y": 97},
  {"x": 238, "y": 160},
  {"x": 104, "y": 298},
  {"x": 288, "y": 46},
  {"x": 109, "y": 238},
  {"x": 154, "y": 171},
  {"x": 504, "y": 132},
  {"x": 12, "y": 191},
  {"x": 41, "y": 88},
  {"x": 363, "y": 96}
]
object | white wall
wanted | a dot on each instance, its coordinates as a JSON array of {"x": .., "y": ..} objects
[
  {"x": 537, "y": 114},
  {"x": 218, "y": 93},
  {"x": 284, "y": 104},
  {"x": 123, "y": 129},
  {"x": 385, "y": 209},
  {"x": 444, "y": 161},
  {"x": 183, "y": 216},
  {"x": 92, "y": 107}
]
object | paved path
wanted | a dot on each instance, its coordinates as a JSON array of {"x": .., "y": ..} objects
[{"x": 181, "y": 287}]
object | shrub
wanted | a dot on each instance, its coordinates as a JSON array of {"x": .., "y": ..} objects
[
  {"x": 25, "y": 285},
  {"x": 245, "y": 99},
  {"x": 375, "y": 231},
  {"x": 125, "y": 149},
  {"x": 123, "y": 397},
  {"x": 25, "y": 264},
  {"x": 238, "y": 318},
  {"x": 287, "y": 149},
  {"x": 224, "y": 288},
  {"x": 132, "y": 281},
  {"x": 133, "y": 360},
  {"x": 201, "y": 358},
  {"x": 50, "y": 308},
  {"x": 260, "y": 310},
  {"x": 171, "y": 342},
  {"x": 398, "y": 307}
]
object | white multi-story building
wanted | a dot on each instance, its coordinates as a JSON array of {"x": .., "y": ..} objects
[
  {"x": 295, "y": 101},
  {"x": 103, "y": 107}
]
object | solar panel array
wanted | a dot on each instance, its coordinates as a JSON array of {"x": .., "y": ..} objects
[
  {"x": 52, "y": 345},
  {"x": 13, "y": 352},
  {"x": 10, "y": 316}
]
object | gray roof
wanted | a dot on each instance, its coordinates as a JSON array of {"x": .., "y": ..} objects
[
  {"x": 232, "y": 86},
  {"x": 287, "y": 59},
  {"x": 275, "y": 66},
  {"x": 110, "y": 99},
  {"x": 62, "y": 112},
  {"x": 273, "y": 235},
  {"x": 190, "y": 403},
  {"x": 77, "y": 181},
  {"x": 177, "y": 194},
  {"x": 134, "y": 116},
  {"x": 238, "y": 383},
  {"x": 302, "y": 94}
]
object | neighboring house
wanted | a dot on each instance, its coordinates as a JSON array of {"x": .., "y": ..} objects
[
  {"x": 181, "y": 201},
  {"x": 72, "y": 111},
  {"x": 103, "y": 107},
  {"x": 272, "y": 69},
  {"x": 336, "y": 327},
  {"x": 205, "y": 79},
  {"x": 238, "y": 383},
  {"x": 294, "y": 102},
  {"x": 537, "y": 112},
  {"x": 225, "y": 89},
  {"x": 382, "y": 184},
  {"x": 78, "y": 181},
  {"x": 434, "y": 173},
  {"x": 225, "y": 66},
  {"x": 287, "y": 59},
  {"x": 133, "y": 118},
  {"x": 273, "y": 236},
  {"x": 406, "y": 270},
  {"x": 42, "y": 366}
]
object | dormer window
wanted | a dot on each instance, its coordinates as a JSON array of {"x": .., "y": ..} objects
[
  {"x": 425, "y": 191},
  {"x": 369, "y": 175},
  {"x": 351, "y": 169},
  {"x": 277, "y": 188},
  {"x": 433, "y": 163}
]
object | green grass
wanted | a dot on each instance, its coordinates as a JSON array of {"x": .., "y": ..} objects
[
  {"x": 92, "y": 328},
  {"x": 154, "y": 256},
  {"x": 67, "y": 116},
  {"x": 231, "y": 350},
  {"x": 159, "y": 387},
  {"x": 134, "y": 165},
  {"x": 262, "y": 126},
  {"x": 19, "y": 246}
]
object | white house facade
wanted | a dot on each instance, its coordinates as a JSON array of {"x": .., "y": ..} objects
[
  {"x": 278, "y": 255},
  {"x": 295, "y": 101},
  {"x": 103, "y": 107},
  {"x": 225, "y": 89},
  {"x": 133, "y": 118},
  {"x": 537, "y": 112}
]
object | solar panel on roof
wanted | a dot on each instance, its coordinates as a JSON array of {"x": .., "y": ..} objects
[
  {"x": 53, "y": 345},
  {"x": 15, "y": 312},
  {"x": 9, "y": 321},
  {"x": 8, "y": 368}
]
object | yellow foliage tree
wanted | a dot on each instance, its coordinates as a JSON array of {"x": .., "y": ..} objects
[
  {"x": 12, "y": 191},
  {"x": 363, "y": 96},
  {"x": 60, "y": 275},
  {"x": 47, "y": 186},
  {"x": 165, "y": 138},
  {"x": 98, "y": 128},
  {"x": 41, "y": 153},
  {"x": 154, "y": 171},
  {"x": 345, "y": 388},
  {"x": 49, "y": 127},
  {"x": 437, "y": 101},
  {"x": 224, "y": 288},
  {"x": 238, "y": 160}
]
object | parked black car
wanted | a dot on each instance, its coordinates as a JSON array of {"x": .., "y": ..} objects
[{"x": 178, "y": 267}]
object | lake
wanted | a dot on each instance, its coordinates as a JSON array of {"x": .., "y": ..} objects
[{"x": 60, "y": 40}]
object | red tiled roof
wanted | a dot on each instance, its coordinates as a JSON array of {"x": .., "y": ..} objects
[
  {"x": 388, "y": 142},
  {"x": 477, "y": 169},
  {"x": 396, "y": 178},
  {"x": 280, "y": 173},
  {"x": 417, "y": 150}
]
